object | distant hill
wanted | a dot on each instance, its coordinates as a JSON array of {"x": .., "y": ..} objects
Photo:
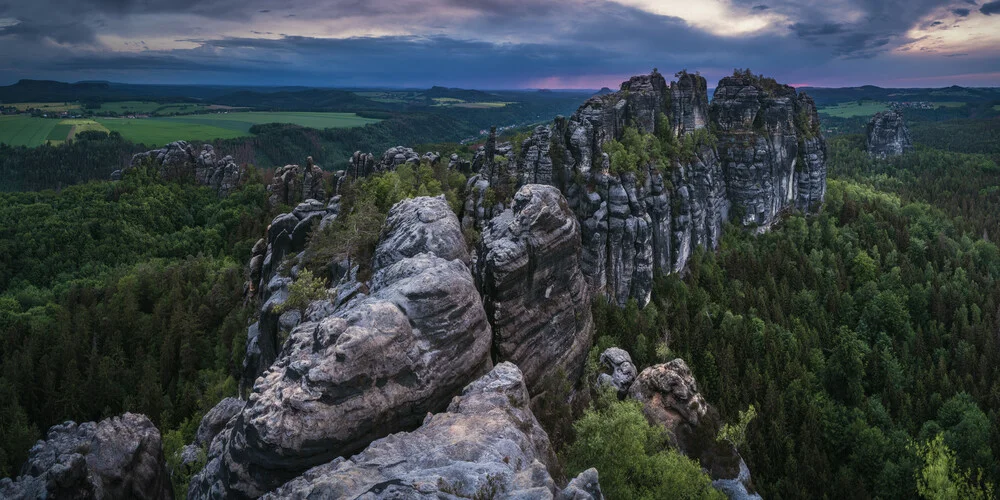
[
  {"x": 304, "y": 100},
  {"x": 463, "y": 94},
  {"x": 827, "y": 96}
]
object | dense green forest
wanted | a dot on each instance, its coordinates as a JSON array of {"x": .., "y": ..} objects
[
  {"x": 118, "y": 297},
  {"x": 859, "y": 334}
]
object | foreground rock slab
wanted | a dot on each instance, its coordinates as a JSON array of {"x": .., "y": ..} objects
[
  {"x": 533, "y": 290},
  {"x": 119, "y": 457},
  {"x": 487, "y": 445},
  {"x": 376, "y": 366}
]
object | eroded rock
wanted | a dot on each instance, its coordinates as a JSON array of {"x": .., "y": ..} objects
[
  {"x": 182, "y": 161},
  {"x": 119, "y": 457},
  {"x": 533, "y": 291},
  {"x": 486, "y": 445},
  {"x": 887, "y": 135}
]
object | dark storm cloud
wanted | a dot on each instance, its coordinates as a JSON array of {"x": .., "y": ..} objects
[
  {"x": 990, "y": 8},
  {"x": 486, "y": 43}
]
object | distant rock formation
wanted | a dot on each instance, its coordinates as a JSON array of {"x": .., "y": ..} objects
[
  {"x": 293, "y": 184},
  {"x": 119, "y": 457},
  {"x": 887, "y": 135},
  {"x": 533, "y": 291},
  {"x": 753, "y": 154},
  {"x": 181, "y": 161},
  {"x": 486, "y": 445},
  {"x": 375, "y": 366},
  {"x": 670, "y": 398}
]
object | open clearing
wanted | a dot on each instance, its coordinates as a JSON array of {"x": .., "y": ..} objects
[{"x": 162, "y": 130}]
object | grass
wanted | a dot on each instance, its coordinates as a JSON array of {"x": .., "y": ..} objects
[
  {"x": 949, "y": 104},
  {"x": 849, "y": 109},
  {"x": 996, "y": 107},
  {"x": 162, "y": 130},
  {"x": 18, "y": 130}
]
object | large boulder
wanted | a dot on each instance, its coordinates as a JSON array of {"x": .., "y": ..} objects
[
  {"x": 119, "y": 457},
  {"x": 486, "y": 445},
  {"x": 887, "y": 135},
  {"x": 420, "y": 225},
  {"x": 670, "y": 398},
  {"x": 533, "y": 291},
  {"x": 375, "y": 366},
  {"x": 216, "y": 419},
  {"x": 623, "y": 371}
]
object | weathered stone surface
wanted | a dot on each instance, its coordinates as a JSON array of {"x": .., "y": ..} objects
[
  {"x": 119, "y": 457},
  {"x": 420, "y": 225},
  {"x": 670, "y": 398},
  {"x": 488, "y": 441},
  {"x": 760, "y": 128},
  {"x": 216, "y": 419},
  {"x": 376, "y": 366},
  {"x": 623, "y": 372},
  {"x": 181, "y": 161},
  {"x": 887, "y": 135},
  {"x": 533, "y": 291}
]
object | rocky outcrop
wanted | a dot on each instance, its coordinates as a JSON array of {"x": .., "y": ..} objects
[
  {"x": 120, "y": 457},
  {"x": 764, "y": 131},
  {"x": 533, "y": 291},
  {"x": 285, "y": 237},
  {"x": 887, "y": 135},
  {"x": 377, "y": 365},
  {"x": 216, "y": 419},
  {"x": 623, "y": 372},
  {"x": 293, "y": 184},
  {"x": 486, "y": 445},
  {"x": 670, "y": 398},
  {"x": 768, "y": 157},
  {"x": 181, "y": 161}
]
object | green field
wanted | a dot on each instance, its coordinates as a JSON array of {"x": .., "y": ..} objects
[
  {"x": 19, "y": 130},
  {"x": 60, "y": 132},
  {"x": 849, "y": 109},
  {"x": 159, "y": 131}
]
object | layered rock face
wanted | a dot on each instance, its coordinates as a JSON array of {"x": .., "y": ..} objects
[
  {"x": 772, "y": 153},
  {"x": 769, "y": 157},
  {"x": 181, "y": 161},
  {"x": 533, "y": 291},
  {"x": 887, "y": 135},
  {"x": 293, "y": 184},
  {"x": 486, "y": 445},
  {"x": 120, "y": 457},
  {"x": 377, "y": 365},
  {"x": 670, "y": 398}
]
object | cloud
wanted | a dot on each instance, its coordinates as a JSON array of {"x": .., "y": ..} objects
[
  {"x": 990, "y": 8},
  {"x": 960, "y": 12}
]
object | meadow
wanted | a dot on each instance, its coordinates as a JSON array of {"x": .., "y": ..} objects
[
  {"x": 852, "y": 108},
  {"x": 19, "y": 130},
  {"x": 161, "y": 130}
]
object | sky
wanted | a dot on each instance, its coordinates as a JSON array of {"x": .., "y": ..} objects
[{"x": 499, "y": 44}]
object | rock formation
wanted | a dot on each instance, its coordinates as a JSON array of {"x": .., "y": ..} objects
[
  {"x": 293, "y": 184},
  {"x": 887, "y": 135},
  {"x": 286, "y": 236},
  {"x": 487, "y": 445},
  {"x": 623, "y": 372},
  {"x": 533, "y": 291},
  {"x": 120, "y": 457},
  {"x": 768, "y": 157},
  {"x": 181, "y": 161},
  {"x": 374, "y": 367},
  {"x": 670, "y": 398}
]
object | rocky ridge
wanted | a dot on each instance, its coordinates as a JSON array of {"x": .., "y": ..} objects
[
  {"x": 755, "y": 152},
  {"x": 182, "y": 161},
  {"x": 887, "y": 135}
]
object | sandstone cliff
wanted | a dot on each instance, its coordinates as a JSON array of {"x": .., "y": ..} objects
[
  {"x": 755, "y": 152},
  {"x": 181, "y": 161}
]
